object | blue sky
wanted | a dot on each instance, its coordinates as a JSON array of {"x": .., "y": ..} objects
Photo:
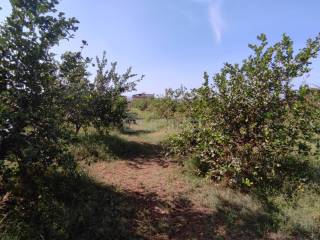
[{"x": 173, "y": 42}]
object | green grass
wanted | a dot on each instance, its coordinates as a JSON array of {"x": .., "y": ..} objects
[
  {"x": 94, "y": 148},
  {"x": 299, "y": 215},
  {"x": 137, "y": 140},
  {"x": 155, "y": 130}
]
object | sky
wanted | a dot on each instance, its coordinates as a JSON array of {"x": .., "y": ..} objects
[{"x": 173, "y": 42}]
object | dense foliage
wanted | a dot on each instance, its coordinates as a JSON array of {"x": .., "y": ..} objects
[
  {"x": 39, "y": 95},
  {"x": 75, "y": 90},
  {"x": 42, "y": 100},
  {"x": 100, "y": 104},
  {"x": 108, "y": 105},
  {"x": 250, "y": 124},
  {"x": 31, "y": 128}
]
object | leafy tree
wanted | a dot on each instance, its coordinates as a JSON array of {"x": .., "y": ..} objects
[
  {"x": 251, "y": 121},
  {"x": 76, "y": 89},
  {"x": 31, "y": 120},
  {"x": 108, "y": 105}
]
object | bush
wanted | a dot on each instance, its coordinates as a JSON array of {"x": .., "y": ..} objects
[
  {"x": 172, "y": 105},
  {"x": 250, "y": 123},
  {"x": 141, "y": 104}
]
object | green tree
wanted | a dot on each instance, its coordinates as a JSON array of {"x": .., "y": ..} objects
[
  {"x": 251, "y": 120},
  {"x": 108, "y": 106},
  {"x": 76, "y": 89},
  {"x": 31, "y": 120}
]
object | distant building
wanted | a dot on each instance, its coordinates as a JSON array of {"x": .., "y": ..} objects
[{"x": 142, "y": 96}]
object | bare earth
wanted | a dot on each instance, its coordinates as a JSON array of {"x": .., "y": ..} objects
[
  {"x": 167, "y": 206},
  {"x": 160, "y": 195}
]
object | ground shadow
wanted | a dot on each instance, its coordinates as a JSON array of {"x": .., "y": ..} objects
[
  {"x": 79, "y": 208},
  {"x": 241, "y": 222},
  {"x": 126, "y": 149},
  {"x": 98, "y": 146},
  {"x": 135, "y": 132},
  {"x": 72, "y": 207},
  {"x": 179, "y": 219}
]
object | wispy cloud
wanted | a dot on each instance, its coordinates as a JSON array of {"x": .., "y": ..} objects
[{"x": 215, "y": 17}]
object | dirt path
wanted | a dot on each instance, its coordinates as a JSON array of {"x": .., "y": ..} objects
[
  {"x": 164, "y": 212},
  {"x": 166, "y": 206}
]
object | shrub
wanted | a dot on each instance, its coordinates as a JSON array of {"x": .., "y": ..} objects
[
  {"x": 250, "y": 123},
  {"x": 171, "y": 105}
]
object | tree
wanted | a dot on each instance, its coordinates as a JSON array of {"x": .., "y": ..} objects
[
  {"x": 251, "y": 120},
  {"x": 76, "y": 89},
  {"x": 30, "y": 116},
  {"x": 108, "y": 105}
]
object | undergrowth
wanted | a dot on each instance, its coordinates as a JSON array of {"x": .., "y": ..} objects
[{"x": 69, "y": 207}]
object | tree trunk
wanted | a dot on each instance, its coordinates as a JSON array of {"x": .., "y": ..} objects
[{"x": 78, "y": 127}]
